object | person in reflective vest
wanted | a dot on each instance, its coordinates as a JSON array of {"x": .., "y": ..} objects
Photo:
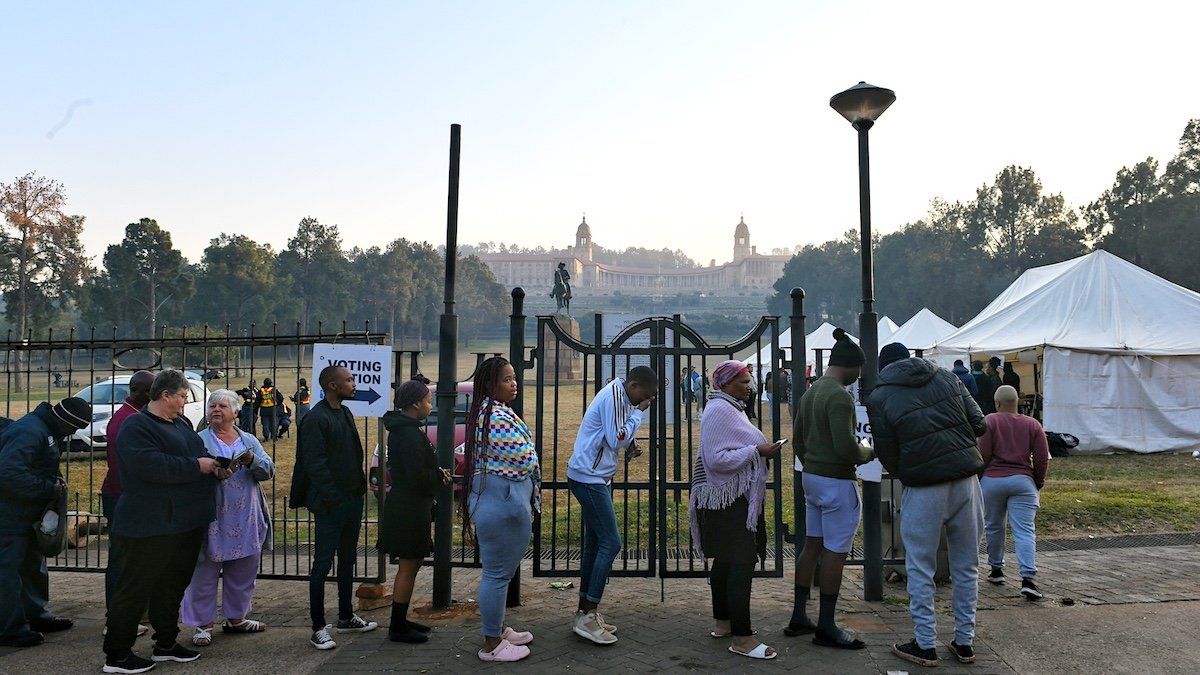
[
  {"x": 303, "y": 399},
  {"x": 268, "y": 403}
]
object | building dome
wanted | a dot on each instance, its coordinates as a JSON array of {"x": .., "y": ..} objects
[
  {"x": 742, "y": 229},
  {"x": 584, "y": 229}
]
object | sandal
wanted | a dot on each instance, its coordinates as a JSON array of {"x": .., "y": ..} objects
[
  {"x": 505, "y": 652},
  {"x": 715, "y": 634},
  {"x": 203, "y": 637},
  {"x": 516, "y": 637},
  {"x": 244, "y": 626},
  {"x": 762, "y": 651}
]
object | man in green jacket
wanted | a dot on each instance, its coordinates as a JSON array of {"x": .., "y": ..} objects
[{"x": 829, "y": 450}]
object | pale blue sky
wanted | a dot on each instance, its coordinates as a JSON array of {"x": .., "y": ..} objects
[{"x": 662, "y": 120}]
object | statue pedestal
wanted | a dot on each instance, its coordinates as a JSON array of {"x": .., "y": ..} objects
[{"x": 561, "y": 358}]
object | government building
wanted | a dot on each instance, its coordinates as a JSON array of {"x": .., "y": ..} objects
[{"x": 750, "y": 272}]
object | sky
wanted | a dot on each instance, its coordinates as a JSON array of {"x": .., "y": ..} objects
[{"x": 663, "y": 121}]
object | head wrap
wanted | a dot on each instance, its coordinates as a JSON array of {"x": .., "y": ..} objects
[
  {"x": 410, "y": 392},
  {"x": 726, "y": 371},
  {"x": 892, "y": 353}
]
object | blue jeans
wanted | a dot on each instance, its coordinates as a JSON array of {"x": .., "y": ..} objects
[
  {"x": 24, "y": 583},
  {"x": 1018, "y": 497},
  {"x": 335, "y": 532},
  {"x": 503, "y": 517},
  {"x": 601, "y": 541},
  {"x": 959, "y": 506}
]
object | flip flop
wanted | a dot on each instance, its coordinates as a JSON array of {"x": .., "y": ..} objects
[
  {"x": 823, "y": 640},
  {"x": 715, "y": 634},
  {"x": 759, "y": 652}
]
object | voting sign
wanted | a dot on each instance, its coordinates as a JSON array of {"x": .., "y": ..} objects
[{"x": 371, "y": 367}]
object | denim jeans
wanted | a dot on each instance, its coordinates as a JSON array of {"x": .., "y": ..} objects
[
  {"x": 959, "y": 506},
  {"x": 601, "y": 541},
  {"x": 503, "y": 517},
  {"x": 336, "y": 532},
  {"x": 1016, "y": 496}
]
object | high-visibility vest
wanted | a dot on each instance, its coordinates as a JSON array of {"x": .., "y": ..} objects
[
  {"x": 268, "y": 397},
  {"x": 306, "y": 397}
]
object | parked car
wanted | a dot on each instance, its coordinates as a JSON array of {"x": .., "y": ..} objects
[
  {"x": 462, "y": 405},
  {"x": 108, "y": 395}
]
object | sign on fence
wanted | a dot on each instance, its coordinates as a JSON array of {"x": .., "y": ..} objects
[{"x": 371, "y": 367}]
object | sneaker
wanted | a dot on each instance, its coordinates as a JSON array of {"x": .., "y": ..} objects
[
  {"x": 176, "y": 652},
  {"x": 964, "y": 653},
  {"x": 52, "y": 625},
  {"x": 1030, "y": 589},
  {"x": 27, "y": 639},
  {"x": 913, "y": 652},
  {"x": 997, "y": 576},
  {"x": 604, "y": 622},
  {"x": 131, "y": 663},
  {"x": 588, "y": 626},
  {"x": 356, "y": 625},
  {"x": 321, "y": 639},
  {"x": 142, "y": 630}
]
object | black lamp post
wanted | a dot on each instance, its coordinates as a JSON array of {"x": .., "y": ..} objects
[{"x": 861, "y": 105}]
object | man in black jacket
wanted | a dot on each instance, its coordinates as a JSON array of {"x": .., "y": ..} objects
[
  {"x": 29, "y": 481},
  {"x": 168, "y": 499},
  {"x": 328, "y": 480},
  {"x": 924, "y": 423}
]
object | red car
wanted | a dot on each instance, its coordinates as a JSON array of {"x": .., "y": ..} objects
[{"x": 462, "y": 405}]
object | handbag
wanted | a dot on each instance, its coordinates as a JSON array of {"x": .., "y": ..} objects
[{"x": 50, "y": 530}]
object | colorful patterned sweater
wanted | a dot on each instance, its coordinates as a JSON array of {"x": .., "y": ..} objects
[{"x": 508, "y": 450}]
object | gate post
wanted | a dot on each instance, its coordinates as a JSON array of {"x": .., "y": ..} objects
[
  {"x": 516, "y": 356},
  {"x": 799, "y": 385}
]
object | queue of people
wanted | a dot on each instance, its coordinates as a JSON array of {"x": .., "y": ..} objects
[{"x": 187, "y": 513}]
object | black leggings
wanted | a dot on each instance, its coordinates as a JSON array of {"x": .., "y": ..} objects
[{"x": 730, "y": 583}]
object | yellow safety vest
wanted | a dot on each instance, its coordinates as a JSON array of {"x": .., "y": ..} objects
[
  {"x": 304, "y": 400},
  {"x": 268, "y": 397}
]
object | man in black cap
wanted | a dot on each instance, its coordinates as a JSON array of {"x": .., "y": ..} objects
[
  {"x": 924, "y": 423},
  {"x": 29, "y": 481}
]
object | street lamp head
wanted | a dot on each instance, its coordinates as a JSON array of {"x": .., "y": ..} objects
[{"x": 862, "y": 104}]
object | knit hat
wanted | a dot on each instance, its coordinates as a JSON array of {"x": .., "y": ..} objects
[
  {"x": 726, "y": 371},
  {"x": 892, "y": 353},
  {"x": 74, "y": 412},
  {"x": 845, "y": 353},
  {"x": 410, "y": 392}
]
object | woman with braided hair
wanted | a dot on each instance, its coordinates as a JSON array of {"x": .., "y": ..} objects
[{"x": 502, "y": 489}]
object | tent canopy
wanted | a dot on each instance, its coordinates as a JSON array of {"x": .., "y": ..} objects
[
  {"x": 1095, "y": 303},
  {"x": 922, "y": 331},
  {"x": 821, "y": 338},
  {"x": 887, "y": 328}
]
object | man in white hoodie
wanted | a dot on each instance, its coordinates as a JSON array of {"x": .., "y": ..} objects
[{"x": 610, "y": 423}]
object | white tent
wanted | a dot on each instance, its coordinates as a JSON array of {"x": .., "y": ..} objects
[
  {"x": 886, "y": 328},
  {"x": 922, "y": 331},
  {"x": 1119, "y": 347},
  {"x": 821, "y": 338}
]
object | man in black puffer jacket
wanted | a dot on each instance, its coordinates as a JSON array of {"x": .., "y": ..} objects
[{"x": 924, "y": 424}]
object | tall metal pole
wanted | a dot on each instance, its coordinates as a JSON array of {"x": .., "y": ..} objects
[
  {"x": 516, "y": 356},
  {"x": 447, "y": 388},
  {"x": 868, "y": 331},
  {"x": 799, "y": 384}
]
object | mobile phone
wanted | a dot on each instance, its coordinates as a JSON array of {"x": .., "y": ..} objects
[
  {"x": 781, "y": 442},
  {"x": 222, "y": 462}
]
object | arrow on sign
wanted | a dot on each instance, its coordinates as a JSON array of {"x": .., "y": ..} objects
[{"x": 366, "y": 396}]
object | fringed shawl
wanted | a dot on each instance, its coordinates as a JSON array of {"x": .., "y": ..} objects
[{"x": 728, "y": 465}]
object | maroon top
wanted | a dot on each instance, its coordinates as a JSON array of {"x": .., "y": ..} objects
[
  {"x": 112, "y": 480},
  {"x": 1015, "y": 445}
]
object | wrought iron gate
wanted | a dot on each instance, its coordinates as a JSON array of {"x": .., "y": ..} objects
[{"x": 650, "y": 493}]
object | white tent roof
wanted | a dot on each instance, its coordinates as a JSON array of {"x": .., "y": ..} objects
[
  {"x": 886, "y": 328},
  {"x": 922, "y": 331},
  {"x": 1094, "y": 303},
  {"x": 821, "y": 338}
]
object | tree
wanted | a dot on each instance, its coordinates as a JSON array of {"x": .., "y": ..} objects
[
  {"x": 1005, "y": 217},
  {"x": 239, "y": 284},
  {"x": 385, "y": 284},
  {"x": 829, "y": 275},
  {"x": 1117, "y": 221},
  {"x": 482, "y": 302},
  {"x": 319, "y": 272},
  {"x": 43, "y": 259},
  {"x": 1182, "y": 175},
  {"x": 145, "y": 279}
]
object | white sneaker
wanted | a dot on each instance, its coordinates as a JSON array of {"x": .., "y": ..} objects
[
  {"x": 588, "y": 626},
  {"x": 322, "y": 640}
]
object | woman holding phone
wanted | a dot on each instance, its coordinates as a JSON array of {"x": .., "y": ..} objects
[
  {"x": 234, "y": 540},
  {"x": 416, "y": 479},
  {"x": 729, "y": 486}
]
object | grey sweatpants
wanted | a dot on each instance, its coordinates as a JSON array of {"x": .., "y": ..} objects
[{"x": 959, "y": 506}]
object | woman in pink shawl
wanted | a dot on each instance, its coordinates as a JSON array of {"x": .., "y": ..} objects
[{"x": 729, "y": 484}]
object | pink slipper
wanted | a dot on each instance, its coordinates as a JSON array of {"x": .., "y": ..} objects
[
  {"x": 505, "y": 651},
  {"x": 516, "y": 637}
]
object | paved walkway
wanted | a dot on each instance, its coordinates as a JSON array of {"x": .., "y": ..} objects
[{"x": 1118, "y": 594}]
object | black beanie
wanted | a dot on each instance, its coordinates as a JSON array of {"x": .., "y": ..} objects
[
  {"x": 892, "y": 353},
  {"x": 74, "y": 412},
  {"x": 845, "y": 353}
]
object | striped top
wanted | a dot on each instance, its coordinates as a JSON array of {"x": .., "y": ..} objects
[{"x": 508, "y": 450}]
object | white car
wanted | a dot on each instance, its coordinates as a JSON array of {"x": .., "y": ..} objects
[{"x": 107, "y": 396}]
